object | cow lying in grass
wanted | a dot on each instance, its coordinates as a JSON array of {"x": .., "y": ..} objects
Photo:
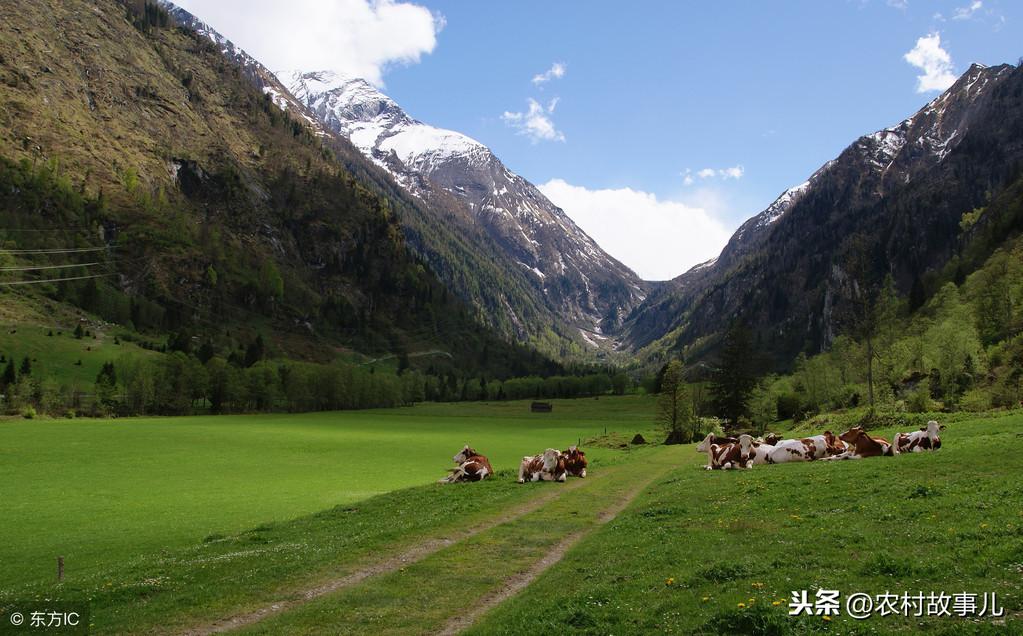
[
  {"x": 575, "y": 461},
  {"x": 739, "y": 454},
  {"x": 918, "y": 441},
  {"x": 774, "y": 450},
  {"x": 548, "y": 466},
  {"x": 852, "y": 444},
  {"x": 863, "y": 445},
  {"x": 470, "y": 466}
]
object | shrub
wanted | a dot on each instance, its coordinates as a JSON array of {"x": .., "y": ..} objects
[
  {"x": 919, "y": 401},
  {"x": 788, "y": 406},
  {"x": 29, "y": 412},
  {"x": 976, "y": 400}
]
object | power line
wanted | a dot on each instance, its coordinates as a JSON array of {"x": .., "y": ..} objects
[
  {"x": 76, "y": 250},
  {"x": 53, "y": 280},
  {"x": 49, "y": 229},
  {"x": 42, "y": 267}
]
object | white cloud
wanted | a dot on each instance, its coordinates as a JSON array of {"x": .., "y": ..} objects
[
  {"x": 966, "y": 13},
  {"x": 735, "y": 172},
  {"x": 536, "y": 122},
  {"x": 687, "y": 177},
  {"x": 354, "y": 37},
  {"x": 556, "y": 71},
  {"x": 899, "y": 4},
  {"x": 658, "y": 239},
  {"x": 934, "y": 61}
]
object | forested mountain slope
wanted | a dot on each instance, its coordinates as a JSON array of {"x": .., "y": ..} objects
[
  {"x": 892, "y": 204},
  {"x": 211, "y": 211},
  {"x": 581, "y": 283}
]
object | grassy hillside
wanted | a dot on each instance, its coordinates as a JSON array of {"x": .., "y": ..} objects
[{"x": 212, "y": 213}]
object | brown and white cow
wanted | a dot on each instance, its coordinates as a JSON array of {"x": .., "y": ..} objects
[
  {"x": 787, "y": 450},
  {"x": 470, "y": 466},
  {"x": 575, "y": 461},
  {"x": 711, "y": 438},
  {"x": 863, "y": 445},
  {"x": 805, "y": 449},
  {"x": 548, "y": 466},
  {"x": 918, "y": 441},
  {"x": 740, "y": 454}
]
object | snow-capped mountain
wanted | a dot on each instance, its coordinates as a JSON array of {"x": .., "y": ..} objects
[
  {"x": 578, "y": 280},
  {"x": 902, "y": 190},
  {"x": 490, "y": 235}
]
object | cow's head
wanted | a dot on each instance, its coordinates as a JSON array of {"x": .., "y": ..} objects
[
  {"x": 772, "y": 439},
  {"x": 932, "y": 429},
  {"x": 575, "y": 460},
  {"x": 463, "y": 455},
  {"x": 550, "y": 459},
  {"x": 574, "y": 454},
  {"x": 852, "y": 434},
  {"x": 745, "y": 446},
  {"x": 704, "y": 446}
]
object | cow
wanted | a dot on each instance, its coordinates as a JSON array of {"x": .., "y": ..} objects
[
  {"x": 775, "y": 450},
  {"x": 575, "y": 461},
  {"x": 918, "y": 441},
  {"x": 863, "y": 445},
  {"x": 470, "y": 466},
  {"x": 788, "y": 450},
  {"x": 548, "y": 466},
  {"x": 714, "y": 439},
  {"x": 740, "y": 454}
]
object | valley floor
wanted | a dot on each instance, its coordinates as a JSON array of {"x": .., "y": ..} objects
[{"x": 649, "y": 543}]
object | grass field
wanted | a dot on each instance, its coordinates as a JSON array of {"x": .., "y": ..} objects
[
  {"x": 56, "y": 356},
  {"x": 102, "y": 492},
  {"x": 649, "y": 543}
]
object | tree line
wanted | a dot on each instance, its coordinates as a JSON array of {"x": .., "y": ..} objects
[{"x": 179, "y": 383}]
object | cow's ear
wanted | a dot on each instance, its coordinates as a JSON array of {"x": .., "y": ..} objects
[{"x": 941, "y": 427}]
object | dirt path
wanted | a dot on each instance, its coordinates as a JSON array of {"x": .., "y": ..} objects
[
  {"x": 519, "y": 582},
  {"x": 420, "y": 551}
]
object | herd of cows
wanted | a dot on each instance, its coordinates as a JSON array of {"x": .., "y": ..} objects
[
  {"x": 723, "y": 453},
  {"x": 550, "y": 465}
]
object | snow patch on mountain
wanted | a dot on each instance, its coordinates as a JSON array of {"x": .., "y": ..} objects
[{"x": 591, "y": 286}]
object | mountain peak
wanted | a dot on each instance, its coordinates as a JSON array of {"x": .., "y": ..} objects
[{"x": 575, "y": 276}]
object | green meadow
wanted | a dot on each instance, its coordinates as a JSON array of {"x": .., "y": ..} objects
[
  {"x": 100, "y": 492},
  {"x": 303, "y": 525}
]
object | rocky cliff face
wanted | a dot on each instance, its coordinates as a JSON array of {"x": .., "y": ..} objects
[
  {"x": 903, "y": 190},
  {"x": 579, "y": 282}
]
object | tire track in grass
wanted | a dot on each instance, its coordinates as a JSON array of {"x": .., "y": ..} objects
[
  {"x": 420, "y": 551},
  {"x": 521, "y": 581}
]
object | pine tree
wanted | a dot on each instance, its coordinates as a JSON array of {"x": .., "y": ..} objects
[
  {"x": 26, "y": 366},
  {"x": 735, "y": 377},
  {"x": 674, "y": 410},
  {"x": 10, "y": 375},
  {"x": 255, "y": 352}
]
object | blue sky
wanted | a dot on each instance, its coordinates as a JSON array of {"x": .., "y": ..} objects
[{"x": 650, "y": 90}]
